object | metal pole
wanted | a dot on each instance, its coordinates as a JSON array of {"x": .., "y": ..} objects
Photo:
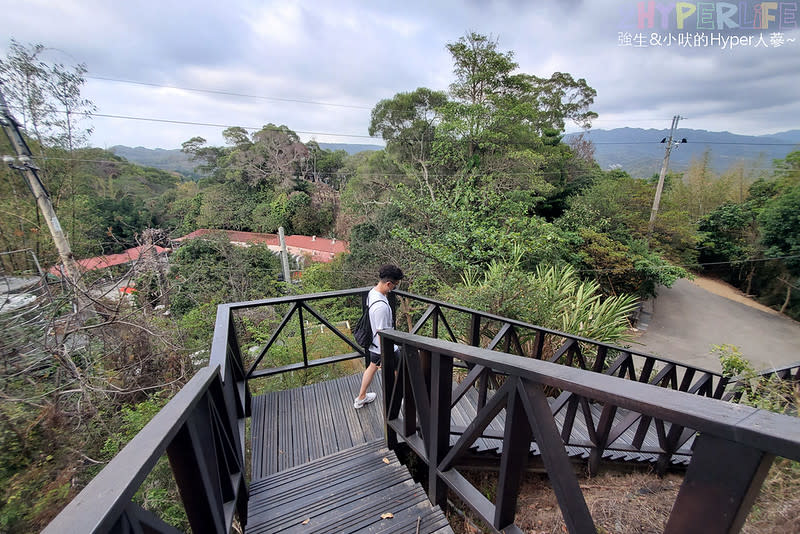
[{"x": 661, "y": 176}]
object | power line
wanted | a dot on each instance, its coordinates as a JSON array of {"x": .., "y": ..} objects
[
  {"x": 362, "y": 136},
  {"x": 332, "y": 104},
  {"x": 338, "y": 174},
  {"x": 696, "y": 142},
  {"x": 228, "y": 93},
  {"x": 216, "y": 125},
  {"x": 689, "y": 266}
]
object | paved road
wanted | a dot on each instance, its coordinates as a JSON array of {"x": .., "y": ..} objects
[{"x": 687, "y": 321}]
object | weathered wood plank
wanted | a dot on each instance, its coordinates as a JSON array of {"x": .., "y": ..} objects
[
  {"x": 343, "y": 438},
  {"x": 344, "y": 492},
  {"x": 293, "y": 427}
]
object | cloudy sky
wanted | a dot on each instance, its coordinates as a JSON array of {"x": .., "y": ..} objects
[{"x": 320, "y": 66}]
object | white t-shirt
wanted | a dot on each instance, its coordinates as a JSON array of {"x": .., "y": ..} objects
[{"x": 380, "y": 316}]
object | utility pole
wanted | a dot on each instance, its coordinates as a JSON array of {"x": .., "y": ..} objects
[
  {"x": 287, "y": 276},
  {"x": 28, "y": 170},
  {"x": 661, "y": 176}
]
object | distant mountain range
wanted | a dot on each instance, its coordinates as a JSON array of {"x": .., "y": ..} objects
[
  {"x": 177, "y": 161},
  {"x": 635, "y": 150},
  {"x": 167, "y": 160},
  {"x": 641, "y": 153}
]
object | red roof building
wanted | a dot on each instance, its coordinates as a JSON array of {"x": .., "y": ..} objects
[
  {"x": 312, "y": 247},
  {"x": 103, "y": 262}
]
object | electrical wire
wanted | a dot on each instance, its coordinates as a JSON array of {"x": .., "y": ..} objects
[
  {"x": 227, "y": 93},
  {"x": 340, "y": 174},
  {"x": 217, "y": 125}
]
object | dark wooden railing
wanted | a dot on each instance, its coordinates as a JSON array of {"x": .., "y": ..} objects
[
  {"x": 734, "y": 448},
  {"x": 788, "y": 373},
  {"x": 202, "y": 432},
  {"x": 202, "y": 429},
  {"x": 300, "y": 307}
]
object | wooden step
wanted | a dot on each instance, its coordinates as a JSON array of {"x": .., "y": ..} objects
[{"x": 344, "y": 492}]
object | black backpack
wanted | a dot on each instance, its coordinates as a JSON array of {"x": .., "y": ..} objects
[{"x": 363, "y": 330}]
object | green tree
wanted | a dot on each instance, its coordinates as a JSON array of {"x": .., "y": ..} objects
[
  {"x": 407, "y": 123},
  {"x": 207, "y": 157},
  {"x": 227, "y": 206},
  {"x": 325, "y": 165},
  {"x": 730, "y": 241},
  {"x": 371, "y": 186},
  {"x": 47, "y": 101},
  {"x": 780, "y": 223},
  {"x": 619, "y": 205},
  {"x": 701, "y": 190},
  {"x": 498, "y": 118},
  {"x": 272, "y": 158},
  {"x": 212, "y": 270}
]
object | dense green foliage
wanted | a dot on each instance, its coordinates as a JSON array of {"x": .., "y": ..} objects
[
  {"x": 552, "y": 297},
  {"x": 213, "y": 271}
]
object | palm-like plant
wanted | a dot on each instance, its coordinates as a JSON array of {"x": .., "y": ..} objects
[{"x": 553, "y": 297}]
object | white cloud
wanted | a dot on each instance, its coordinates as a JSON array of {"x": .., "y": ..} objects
[{"x": 355, "y": 53}]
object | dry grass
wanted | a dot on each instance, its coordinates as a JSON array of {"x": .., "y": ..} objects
[
  {"x": 636, "y": 503},
  {"x": 777, "y": 509}
]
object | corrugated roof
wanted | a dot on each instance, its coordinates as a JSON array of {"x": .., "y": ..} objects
[
  {"x": 234, "y": 236},
  {"x": 109, "y": 260},
  {"x": 318, "y": 248}
]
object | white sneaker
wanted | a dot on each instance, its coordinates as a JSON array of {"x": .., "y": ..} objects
[{"x": 358, "y": 403}]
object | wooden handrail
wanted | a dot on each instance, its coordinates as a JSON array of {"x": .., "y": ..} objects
[
  {"x": 435, "y": 315},
  {"x": 181, "y": 429},
  {"x": 734, "y": 448}
]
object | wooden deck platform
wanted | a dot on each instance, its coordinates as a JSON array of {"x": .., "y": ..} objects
[
  {"x": 319, "y": 465},
  {"x": 293, "y": 427},
  {"x": 296, "y": 426}
]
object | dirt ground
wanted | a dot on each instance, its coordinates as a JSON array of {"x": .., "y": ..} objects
[
  {"x": 724, "y": 289},
  {"x": 636, "y": 503},
  {"x": 640, "y": 502}
]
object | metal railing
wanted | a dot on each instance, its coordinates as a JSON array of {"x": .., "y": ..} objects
[{"x": 733, "y": 451}]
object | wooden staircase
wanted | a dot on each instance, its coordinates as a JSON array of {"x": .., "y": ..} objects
[{"x": 360, "y": 489}]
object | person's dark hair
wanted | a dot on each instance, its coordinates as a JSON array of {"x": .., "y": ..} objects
[{"x": 390, "y": 273}]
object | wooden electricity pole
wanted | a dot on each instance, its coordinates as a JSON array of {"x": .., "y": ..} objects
[
  {"x": 661, "y": 176},
  {"x": 28, "y": 170}
]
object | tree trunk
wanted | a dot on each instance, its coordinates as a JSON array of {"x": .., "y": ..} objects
[
  {"x": 788, "y": 296},
  {"x": 750, "y": 278},
  {"x": 427, "y": 181}
]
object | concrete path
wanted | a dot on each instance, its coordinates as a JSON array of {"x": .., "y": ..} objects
[{"x": 686, "y": 321}]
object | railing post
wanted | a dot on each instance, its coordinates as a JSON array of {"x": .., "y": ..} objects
[
  {"x": 600, "y": 359},
  {"x": 409, "y": 402},
  {"x": 302, "y": 332},
  {"x": 390, "y": 369},
  {"x": 554, "y": 456},
  {"x": 196, "y": 476},
  {"x": 475, "y": 330},
  {"x": 601, "y": 433},
  {"x": 538, "y": 345},
  {"x": 441, "y": 392},
  {"x": 516, "y": 447},
  {"x": 721, "y": 484},
  {"x": 483, "y": 388}
]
